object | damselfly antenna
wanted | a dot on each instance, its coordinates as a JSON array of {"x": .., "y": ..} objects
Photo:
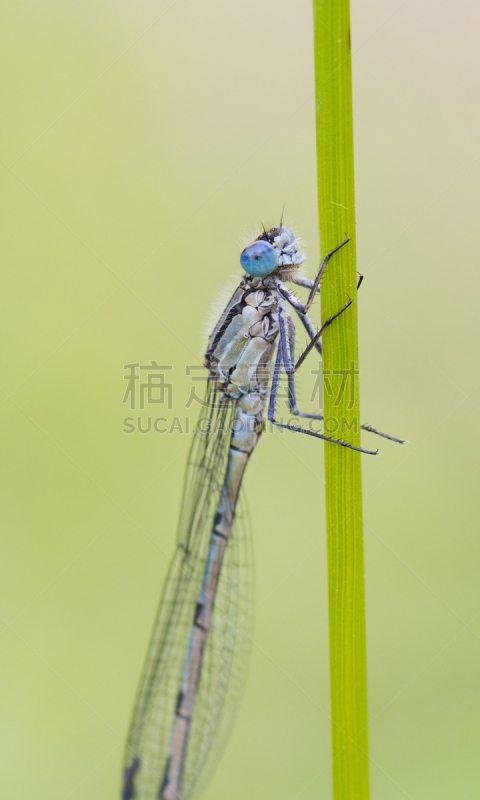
[{"x": 281, "y": 218}]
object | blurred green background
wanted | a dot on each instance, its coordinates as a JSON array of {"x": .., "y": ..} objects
[{"x": 140, "y": 140}]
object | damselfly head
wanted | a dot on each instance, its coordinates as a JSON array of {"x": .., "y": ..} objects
[{"x": 275, "y": 249}]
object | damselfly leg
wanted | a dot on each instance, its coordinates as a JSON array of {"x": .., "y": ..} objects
[
  {"x": 283, "y": 358},
  {"x": 290, "y": 371},
  {"x": 311, "y": 330},
  {"x": 315, "y": 340},
  {"x": 317, "y": 336}
]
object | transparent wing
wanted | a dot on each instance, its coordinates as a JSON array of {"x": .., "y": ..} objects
[
  {"x": 149, "y": 736},
  {"x": 225, "y": 658}
]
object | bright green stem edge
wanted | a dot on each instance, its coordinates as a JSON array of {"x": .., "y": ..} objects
[{"x": 343, "y": 480}]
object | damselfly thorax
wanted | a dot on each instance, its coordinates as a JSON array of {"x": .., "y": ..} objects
[{"x": 242, "y": 345}]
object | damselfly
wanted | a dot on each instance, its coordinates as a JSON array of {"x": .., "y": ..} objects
[{"x": 193, "y": 663}]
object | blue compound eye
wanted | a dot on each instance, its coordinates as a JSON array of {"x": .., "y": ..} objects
[{"x": 259, "y": 259}]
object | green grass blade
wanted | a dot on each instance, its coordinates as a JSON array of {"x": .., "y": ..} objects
[{"x": 336, "y": 202}]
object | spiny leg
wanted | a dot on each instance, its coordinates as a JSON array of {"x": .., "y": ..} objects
[
  {"x": 294, "y": 409},
  {"x": 289, "y": 333},
  {"x": 317, "y": 336},
  {"x": 310, "y": 328},
  {"x": 307, "y": 283},
  {"x": 379, "y": 433},
  {"x": 293, "y": 403},
  {"x": 293, "y": 299},
  {"x": 300, "y": 280},
  {"x": 272, "y": 405},
  {"x": 323, "y": 266},
  {"x": 315, "y": 341},
  {"x": 305, "y": 319}
]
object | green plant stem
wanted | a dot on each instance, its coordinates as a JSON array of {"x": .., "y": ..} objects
[{"x": 346, "y": 593}]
